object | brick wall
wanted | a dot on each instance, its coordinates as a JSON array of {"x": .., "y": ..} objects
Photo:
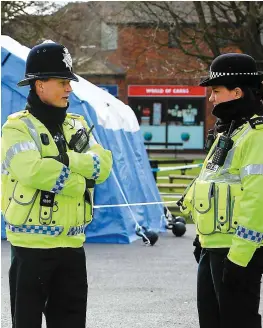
[
  {"x": 145, "y": 55},
  {"x": 146, "y": 58},
  {"x": 147, "y": 62}
]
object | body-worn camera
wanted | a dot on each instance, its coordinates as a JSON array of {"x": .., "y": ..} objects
[
  {"x": 80, "y": 140},
  {"x": 224, "y": 144}
]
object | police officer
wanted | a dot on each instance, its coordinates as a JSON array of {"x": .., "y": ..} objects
[
  {"x": 50, "y": 166},
  {"x": 225, "y": 200}
]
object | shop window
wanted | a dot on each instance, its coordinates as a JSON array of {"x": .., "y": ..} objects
[
  {"x": 149, "y": 112},
  {"x": 109, "y": 37},
  {"x": 188, "y": 111},
  {"x": 169, "y": 118}
]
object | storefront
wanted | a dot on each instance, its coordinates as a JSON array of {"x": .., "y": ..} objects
[{"x": 170, "y": 113}]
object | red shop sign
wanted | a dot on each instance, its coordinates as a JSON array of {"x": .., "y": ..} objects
[{"x": 166, "y": 91}]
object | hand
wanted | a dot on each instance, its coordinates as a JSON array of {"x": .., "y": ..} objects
[
  {"x": 62, "y": 158},
  {"x": 198, "y": 249},
  {"x": 234, "y": 276}
]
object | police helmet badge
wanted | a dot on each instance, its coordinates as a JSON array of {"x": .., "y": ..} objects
[
  {"x": 67, "y": 58},
  {"x": 48, "y": 60}
]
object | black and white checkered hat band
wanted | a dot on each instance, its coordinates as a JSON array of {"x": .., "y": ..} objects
[{"x": 214, "y": 75}]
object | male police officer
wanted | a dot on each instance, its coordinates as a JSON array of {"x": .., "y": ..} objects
[
  {"x": 50, "y": 166},
  {"x": 226, "y": 199}
]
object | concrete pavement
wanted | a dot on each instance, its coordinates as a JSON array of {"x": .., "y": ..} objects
[{"x": 134, "y": 286}]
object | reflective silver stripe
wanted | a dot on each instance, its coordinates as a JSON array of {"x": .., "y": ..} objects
[
  {"x": 229, "y": 159},
  {"x": 33, "y": 132},
  {"x": 16, "y": 149},
  {"x": 252, "y": 169},
  {"x": 234, "y": 178},
  {"x": 231, "y": 152},
  {"x": 248, "y": 234},
  {"x": 223, "y": 177},
  {"x": 4, "y": 171}
]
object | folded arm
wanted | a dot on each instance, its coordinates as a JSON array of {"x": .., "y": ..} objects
[{"x": 22, "y": 159}]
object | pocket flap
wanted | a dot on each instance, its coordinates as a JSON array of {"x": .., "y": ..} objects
[
  {"x": 24, "y": 195},
  {"x": 204, "y": 191}
]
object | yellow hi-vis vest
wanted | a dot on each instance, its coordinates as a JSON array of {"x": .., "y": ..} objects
[
  {"x": 226, "y": 203},
  {"x": 26, "y": 172}
]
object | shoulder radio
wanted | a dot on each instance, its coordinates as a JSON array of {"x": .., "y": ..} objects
[{"x": 80, "y": 140}]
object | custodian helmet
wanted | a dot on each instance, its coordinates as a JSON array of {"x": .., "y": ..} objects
[
  {"x": 48, "y": 59},
  {"x": 233, "y": 68}
]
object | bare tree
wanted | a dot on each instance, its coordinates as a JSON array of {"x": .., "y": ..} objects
[
  {"x": 205, "y": 29},
  {"x": 10, "y": 10},
  {"x": 199, "y": 29},
  {"x": 26, "y": 21}
]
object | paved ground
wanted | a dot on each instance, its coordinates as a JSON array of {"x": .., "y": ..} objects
[{"x": 134, "y": 286}]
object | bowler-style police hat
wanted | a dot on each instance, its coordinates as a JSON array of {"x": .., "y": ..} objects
[
  {"x": 233, "y": 68},
  {"x": 48, "y": 59}
]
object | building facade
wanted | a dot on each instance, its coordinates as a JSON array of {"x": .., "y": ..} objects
[{"x": 160, "y": 85}]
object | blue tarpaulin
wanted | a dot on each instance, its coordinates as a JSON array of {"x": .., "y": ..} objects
[{"x": 117, "y": 129}]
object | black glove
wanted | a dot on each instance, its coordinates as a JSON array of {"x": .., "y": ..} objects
[
  {"x": 90, "y": 183},
  {"x": 198, "y": 249},
  {"x": 234, "y": 276},
  {"x": 62, "y": 158}
]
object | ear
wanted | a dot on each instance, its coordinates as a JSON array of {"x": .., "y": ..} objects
[
  {"x": 238, "y": 93},
  {"x": 39, "y": 86}
]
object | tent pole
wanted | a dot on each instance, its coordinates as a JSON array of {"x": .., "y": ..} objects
[{"x": 113, "y": 173}]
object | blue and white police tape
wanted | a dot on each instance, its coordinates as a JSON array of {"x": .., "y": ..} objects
[
  {"x": 138, "y": 228},
  {"x": 174, "y": 168},
  {"x": 135, "y": 204},
  {"x": 162, "y": 169}
]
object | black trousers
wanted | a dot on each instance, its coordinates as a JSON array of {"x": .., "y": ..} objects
[
  {"x": 222, "y": 306},
  {"x": 49, "y": 281}
]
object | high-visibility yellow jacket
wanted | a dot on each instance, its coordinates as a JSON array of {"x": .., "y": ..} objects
[
  {"x": 26, "y": 172},
  {"x": 226, "y": 203}
]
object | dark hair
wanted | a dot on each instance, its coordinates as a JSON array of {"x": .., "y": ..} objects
[
  {"x": 253, "y": 95},
  {"x": 32, "y": 83}
]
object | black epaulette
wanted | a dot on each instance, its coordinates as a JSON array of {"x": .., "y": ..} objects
[{"x": 256, "y": 122}]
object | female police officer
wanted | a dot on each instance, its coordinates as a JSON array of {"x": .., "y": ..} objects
[
  {"x": 225, "y": 201},
  {"x": 49, "y": 171}
]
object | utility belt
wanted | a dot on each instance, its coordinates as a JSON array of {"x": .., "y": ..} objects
[{"x": 216, "y": 207}]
